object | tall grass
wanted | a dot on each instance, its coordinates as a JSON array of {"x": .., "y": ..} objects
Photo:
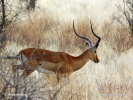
[{"x": 109, "y": 79}]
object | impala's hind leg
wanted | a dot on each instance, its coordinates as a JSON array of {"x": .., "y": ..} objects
[
  {"x": 26, "y": 73},
  {"x": 16, "y": 67},
  {"x": 15, "y": 73},
  {"x": 20, "y": 67}
]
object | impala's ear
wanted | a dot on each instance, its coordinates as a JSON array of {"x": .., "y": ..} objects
[{"x": 97, "y": 45}]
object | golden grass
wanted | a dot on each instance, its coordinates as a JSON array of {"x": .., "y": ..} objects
[{"x": 109, "y": 79}]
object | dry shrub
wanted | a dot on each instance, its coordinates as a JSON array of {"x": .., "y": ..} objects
[
  {"x": 46, "y": 32},
  {"x": 31, "y": 32},
  {"x": 117, "y": 37}
]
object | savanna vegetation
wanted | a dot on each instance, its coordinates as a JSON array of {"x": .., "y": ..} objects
[{"x": 111, "y": 78}]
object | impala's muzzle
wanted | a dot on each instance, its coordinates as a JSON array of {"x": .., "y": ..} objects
[{"x": 96, "y": 60}]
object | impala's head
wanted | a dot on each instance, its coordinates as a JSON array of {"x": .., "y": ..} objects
[{"x": 92, "y": 48}]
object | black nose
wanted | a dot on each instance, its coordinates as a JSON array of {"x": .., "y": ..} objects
[{"x": 97, "y": 61}]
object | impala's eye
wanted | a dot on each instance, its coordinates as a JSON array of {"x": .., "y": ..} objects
[
  {"x": 87, "y": 44},
  {"x": 93, "y": 51},
  {"x": 40, "y": 64}
]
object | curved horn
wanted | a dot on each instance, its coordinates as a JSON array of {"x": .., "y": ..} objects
[
  {"x": 97, "y": 44},
  {"x": 91, "y": 44}
]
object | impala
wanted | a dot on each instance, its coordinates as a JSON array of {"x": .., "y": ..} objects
[{"x": 61, "y": 63}]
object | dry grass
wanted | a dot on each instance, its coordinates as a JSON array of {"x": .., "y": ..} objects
[{"x": 107, "y": 80}]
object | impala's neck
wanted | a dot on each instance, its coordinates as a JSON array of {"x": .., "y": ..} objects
[{"x": 80, "y": 61}]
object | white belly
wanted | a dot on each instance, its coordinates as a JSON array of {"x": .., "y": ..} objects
[{"x": 42, "y": 70}]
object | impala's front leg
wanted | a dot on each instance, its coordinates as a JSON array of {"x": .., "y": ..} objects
[
  {"x": 67, "y": 77},
  {"x": 59, "y": 76}
]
